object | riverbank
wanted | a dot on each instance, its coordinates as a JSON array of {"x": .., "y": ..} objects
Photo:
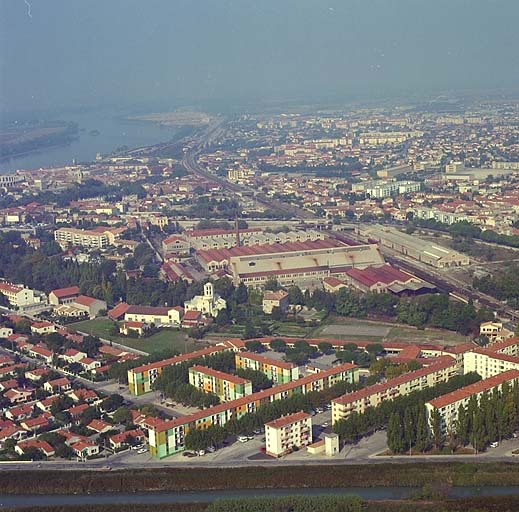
[
  {"x": 286, "y": 477},
  {"x": 478, "y": 504}
]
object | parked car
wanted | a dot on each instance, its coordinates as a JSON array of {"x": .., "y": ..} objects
[
  {"x": 243, "y": 439},
  {"x": 142, "y": 450},
  {"x": 494, "y": 444},
  {"x": 200, "y": 453},
  {"x": 188, "y": 454}
]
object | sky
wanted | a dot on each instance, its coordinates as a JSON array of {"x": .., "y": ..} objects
[{"x": 57, "y": 54}]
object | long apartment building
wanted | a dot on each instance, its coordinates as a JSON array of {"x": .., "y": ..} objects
[
  {"x": 287, "y": 432},
  {"x": 440, "y": 371},
  {"x": 226, "y": 386},
  {"x": 167, "y": 437},
  {"x": 17, "y": 296},
  {"x": 141, "y": 378},
  {"x": 279, "y": 372},
  {"x": 487, "y": 362},
  {"x": 81, "y": 237},
  {"x": 448, "y": 405}
]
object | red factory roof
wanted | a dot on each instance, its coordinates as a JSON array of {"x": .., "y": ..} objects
[
  {"x": 218, "y": 375},
  {"x": 373, "y": 275},
  {"x": 85, "y": 301},
  {"x": 252, "y": 250},
  {"x": 472, "y": 389}
]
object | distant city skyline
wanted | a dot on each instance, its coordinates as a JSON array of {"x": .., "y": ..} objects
[{"x": 67, "y": 54}]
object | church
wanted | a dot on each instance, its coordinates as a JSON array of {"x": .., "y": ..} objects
[{"x": 208, "y": 304}]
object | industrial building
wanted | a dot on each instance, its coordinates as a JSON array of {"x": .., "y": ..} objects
[
  {"x": 301, "y": 263},
  {"x": 413, "y": 247}
]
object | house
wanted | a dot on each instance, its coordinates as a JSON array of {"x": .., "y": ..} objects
[
  {"x": 89, "y": 305},
  {"x": 37, "y": 444},
  {"x": 46, "y": 403},
  {"x": 99, "y": 426},
  {"x": 72, "y": 355},
  {"x": 14, "y": 432},
  {"x": 192, "y": 318},
  {"x": 495, "y": 331},
  {"x": 10, "y": 370},
  {"x": 41, "y": 352},
  {"x": 18, "y": 296},
  {"x": 64, "y": 295},
  {"x": 288, "y": 432},
  {"x": 210, "y": 303},
  {"x": 117, "y": 441},
  {"x": 36, "y": 374},
  {"x": 77, "y": 410},
  {"x": 154, "y": 315},
  {"x": 138, "y": 328},
  {"x": 38, "y": 423},
  {"x": 20, "y": 412},
  {"x": 278, "y": 299},
  {"x": 57, "y": 385},
  {"x": 18, "y": 396},
  {"x": 83, "y": 394},
  {"x": 43, "y": 328},
  {"x": 85, "y": 449},
  {"x": 8, "y": 384},
  {"x": 6, "y": 360},
  {"x": 89, "y": 364}
]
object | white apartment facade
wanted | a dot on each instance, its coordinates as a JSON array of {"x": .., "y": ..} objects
[{"x": 288, "y": 432}]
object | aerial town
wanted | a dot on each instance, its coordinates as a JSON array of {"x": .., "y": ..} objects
[{"x": 298, "y": 287}]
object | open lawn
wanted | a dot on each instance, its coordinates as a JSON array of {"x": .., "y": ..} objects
[
  {"x": 165, "y": 339},
  {"x": 366, "y": 330}
]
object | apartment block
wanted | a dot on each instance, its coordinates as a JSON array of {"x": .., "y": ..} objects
[
  {"x": 141, "y": 378},
  {"x": 17, "y": 296},
  {"x": 288, "y": 432},
  {"x": 487, "y": 363},
  {"x": 167, "y": 437},
  {"x": 227, "y": 387},
  {"x": 402, "y": 385},
  {"x": 448, "y": 405},
  {"x": 81, "y": 237},
  {"x": 279, "y": 372}
]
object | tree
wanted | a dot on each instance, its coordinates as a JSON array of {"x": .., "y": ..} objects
[
  {"x": 422, "y": 432},
  {"x": 277, "y": 314},
  {"x": 223, "y": 318},
  {"x": 325, "y": 347},
  {"x": 295, "y": 295},
  {"x": 250, "y": 331},
  {"x": 254, "y": 346},
  {"x": 374, "y": 348},
  {"x": 123, "y": 415},
  {"x": 278, "y": 345},
  {"x": 241, "y": 294},
  {"x": 395, "y": 434},
  {"x": 438, "y": 437},
  {"x": 112, "y": 402}
]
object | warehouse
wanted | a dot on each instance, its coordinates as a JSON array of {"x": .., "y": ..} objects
[{"x": 414, "y": 247}]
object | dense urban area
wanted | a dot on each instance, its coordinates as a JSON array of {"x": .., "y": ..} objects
[{"x": 295, "y": 287}]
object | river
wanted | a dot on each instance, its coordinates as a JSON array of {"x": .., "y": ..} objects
[
  {"x": 114, "y": 131},
  {"x": 367, "y": 493}
]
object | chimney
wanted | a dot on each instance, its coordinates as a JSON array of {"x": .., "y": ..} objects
[{"x": 238, "y": 242}]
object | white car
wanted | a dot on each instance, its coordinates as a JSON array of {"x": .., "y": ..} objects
[
  {"x": 200, "y": 453},
  {"x": 494, "y": 445},
  {"x": 243, "y": 439},
  {"x": 142, "y": 450}
]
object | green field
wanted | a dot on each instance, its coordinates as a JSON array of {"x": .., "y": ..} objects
[{"x": 166, "y": 339}]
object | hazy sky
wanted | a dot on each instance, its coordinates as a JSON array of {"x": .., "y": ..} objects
[{"x": 61, "y": 53}]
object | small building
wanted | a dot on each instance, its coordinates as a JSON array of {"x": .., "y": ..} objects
[
  {"x": 288, "y": 433},
  {"x": 85, "y": 449},
  {"x": 91, "y": 306},
  {"x": 175, "y": 244},
  {"x": 138, "y": 328},
  {"x": 495, "y": 331},
  {"x": 57, "y": 385},
  {"x": 333, "y": 284},
  {"x": 129, "y": 437},
  {"x": 278, "y": 299},
  {"x": 209, "y": 304},
  {"x": 118, "y": 312},
  {"x": 192, "y": 318},
  {"x": 43, "y": 328},
  {"x": 329, "y": 445},
  {"x": 159, "y": 316},
  {"x": 18, "y": 296},
  {"x": 64, "y": 295},
  {"x": 37, "y": 444}
]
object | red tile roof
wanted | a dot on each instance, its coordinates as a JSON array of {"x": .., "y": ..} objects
[
  {"x": 472, "y": 389},
  {"x": 118, "y": 311},
  {"x": 287, "y": 420},
  {"x": 218, "y": 375},
  {"x": 62, "y": 293},
  {"x": 266, "y": 360}
]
